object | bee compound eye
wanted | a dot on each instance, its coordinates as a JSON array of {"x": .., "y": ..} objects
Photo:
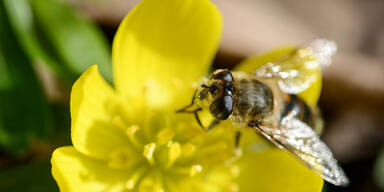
[
  {"x": 228, "y": 86},
  {"x": 203, "y": 94},
  {"x": 222, "y": 107},
  {"x": 212, "y": 88},
  {"x": 224, "y": 75}
]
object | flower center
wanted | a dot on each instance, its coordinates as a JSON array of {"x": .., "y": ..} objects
[{"x": 168, "y": 152}]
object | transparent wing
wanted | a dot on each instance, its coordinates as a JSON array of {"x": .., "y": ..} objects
[
  {"x": 298, "y": 138},
  {"x": 296, "y": 71}
]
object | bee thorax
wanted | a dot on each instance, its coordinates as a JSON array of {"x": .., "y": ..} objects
[{"x": 254, "y": 100}]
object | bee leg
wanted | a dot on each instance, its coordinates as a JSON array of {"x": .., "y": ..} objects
[
  {"x": 237, "y": 139},
  {"x": 238, "y": 151},
  {"x": 253, "y": 124},
  {"x": 198, "y": 119},
  {"x": 212, "y": 125},
  {"x": 185, "y": 109}
]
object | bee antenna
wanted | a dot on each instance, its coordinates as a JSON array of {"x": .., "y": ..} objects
[
  {"x": 184, "y": 110},
  {"x": 205, "y": 86},
  {"x": 195, "y": 113}
]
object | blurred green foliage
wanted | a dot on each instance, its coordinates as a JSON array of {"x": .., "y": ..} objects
[
  {"x": 36, "y": 34},
  {"x": 56, "y": 35},
  {"x": 24, "y": 112},
  {"x": 34, "y": 177},
  {"x": 39, "y": 33},
  {"x": 379, "y": 170}
]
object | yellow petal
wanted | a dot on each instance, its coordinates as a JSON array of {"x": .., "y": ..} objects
[
  {"x": 266, "y": 168},
  {"x": 310, "y": 95},
  {"x": 163, "y": 46},
  {"x": 92, "y": 105},
  {"x": 252, "y": 63},
  {"x": 74, "y": 171},
  {"x": 275, "y": 170}
]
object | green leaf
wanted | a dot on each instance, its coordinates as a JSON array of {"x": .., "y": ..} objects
[
  {"x": 24, "y": 112},
  {"x": 33, "y": 41},
  {"x": 77, "y": 41},
  {"x": 379, "y": 170},
  {"x": 5, "y": 79},
  {"x": 33, "y": 177},
  {"x": 56, "y": 35}
]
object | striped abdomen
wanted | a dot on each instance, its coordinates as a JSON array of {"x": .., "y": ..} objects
[{"x": 293, "y": 104}]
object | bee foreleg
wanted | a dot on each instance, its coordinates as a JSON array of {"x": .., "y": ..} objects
[
  {"x": 238, "y": 150},
  {"x": 198, "y": 119},
  {"x": 237, "y": 139},
  {"x": 212, "y": 125},
  {"x": 253, "y": 124},
  {"x": 185, "y": 109}
]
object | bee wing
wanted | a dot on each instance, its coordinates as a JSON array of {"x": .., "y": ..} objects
[
  {"x": 300, "y": 139},
  {"x": 296, "y": 71}
]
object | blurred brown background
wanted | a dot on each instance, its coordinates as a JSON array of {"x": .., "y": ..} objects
[{"x": 353, "y": 91}]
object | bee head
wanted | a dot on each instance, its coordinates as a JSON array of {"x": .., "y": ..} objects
[{"x": 217, "y": 94}]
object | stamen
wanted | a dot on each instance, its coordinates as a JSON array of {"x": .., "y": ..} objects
[
  {"x": 233, "y": 187},
  {"x": 147, "y": 185},
  {"x": 165, "y": 135},
  {"x": 131, "y": 131},
  {"x": 151, "y": 183},
  {"x": 187, "y": 171},
  {"x": 148, "y": 152},
  {"x": 174, "y": 153},
  {"x": 159, "y": 182},
  {"x": 121, "y": 159},
  {"x": 235, "y": 170},
  {"x": 131, "y": 183},
  {"x": 195, "y": 169},
  {"x": 118, "y": 122},
  {"x": 188, "y": 149},
  {"x": 238, "y": 152}
]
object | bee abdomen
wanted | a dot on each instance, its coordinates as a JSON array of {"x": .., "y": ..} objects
[{"x": 292, "y": 103}]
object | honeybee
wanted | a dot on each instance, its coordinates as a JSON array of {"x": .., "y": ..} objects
[{"x": 267, "y": 102}]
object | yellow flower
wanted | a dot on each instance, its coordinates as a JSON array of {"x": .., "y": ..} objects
[{"x": 128, "y": 137}]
